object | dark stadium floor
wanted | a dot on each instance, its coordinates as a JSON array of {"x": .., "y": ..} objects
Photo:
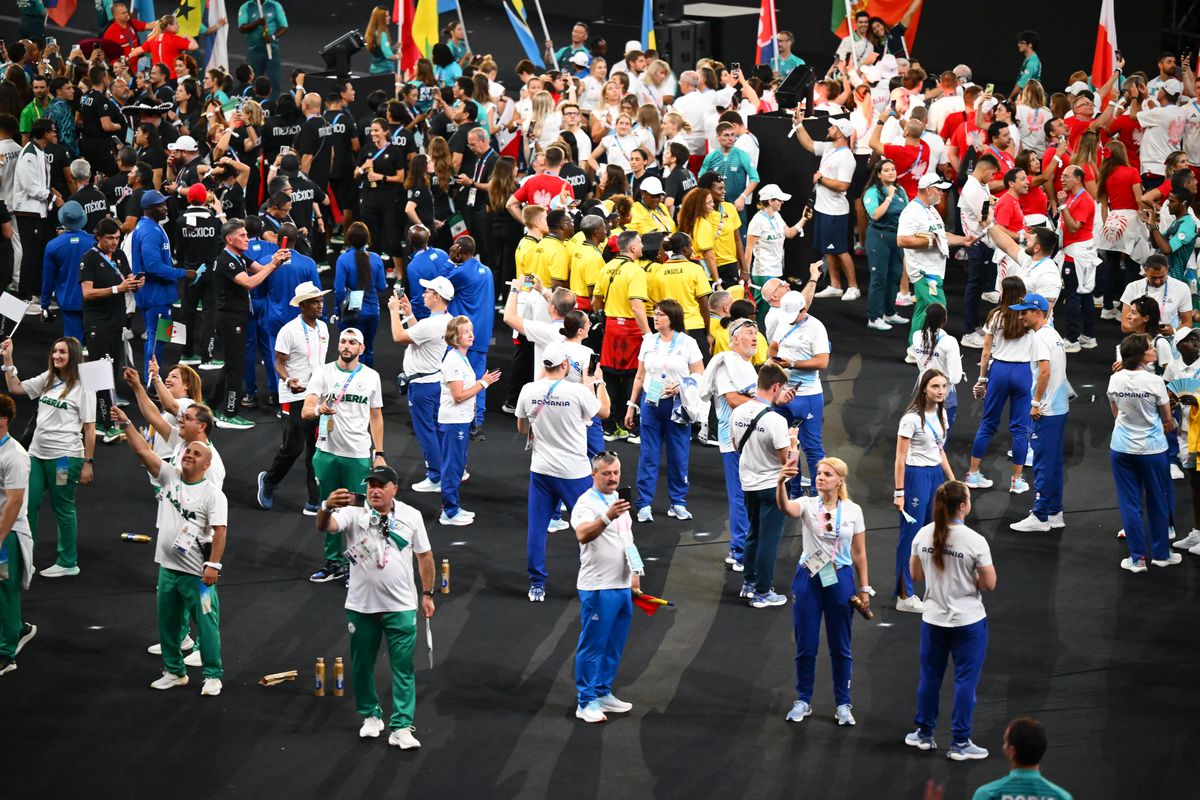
[{"x": 1097, "y": 654}]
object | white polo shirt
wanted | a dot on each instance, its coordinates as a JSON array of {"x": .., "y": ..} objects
[
  {"x": 1048, "y": 346},
  {"x": 602, "y": 563},
  {"x": 305, "y": 349},
  {"x": 381, "y": 572},
  {"x": 926, "y": 261},
  {"x": 1172, "y": 297},
  {"x": 800, "y": 341},
  {"x": 838, "y": 164}
]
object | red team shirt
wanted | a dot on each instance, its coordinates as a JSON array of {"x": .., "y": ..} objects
[
  {"x": 912, "y": 161},
  {"x": 1009, "y": 213},
  {"x": 542, "y": 189},
  {"x": 1119, "y": 188},
  {"x": 1126, "y": 129},
  {"x": 1083, "y": 211},
  {"x": 1007, "y": 162}
]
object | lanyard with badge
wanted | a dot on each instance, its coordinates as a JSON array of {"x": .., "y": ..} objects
[
  {"x": 936, "y": 439},
  {"x": 375, "y": 184},
  {"x": 480, "y": 168},
  {"x": 327, "y": 419},
  {"x": 189, "y": 532},
  {"x": 370, "y": 549},
  {"x": 538, "y": 410},
  {"x": 62, "y": 466},
  {"x": 632, "y": 557},
  {"x": 655, "y": 386},
  {"x": 314, "y": 360},
  {"x": 111, "y": 263},
  {"x": 821, "y": 564},
  {"x": 659, "y": 222}
]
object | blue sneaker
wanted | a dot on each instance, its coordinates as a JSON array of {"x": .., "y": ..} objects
[
  {"x": 768, "y": 599},
  {"x": 976, "y": 481},
  {"x": 537, "y": 594},
  {"x": 265, "y": 492},
  {"x": 921, "y": 741},
  {"x": 311, "y": 509},
  {"x": 966, "y": 751},
  {"x": 800, "y": 710},
  {"x": 1018, "y": 486},
  {"x": 679, "y": 512},
  {"x": 747, "y": 591}
]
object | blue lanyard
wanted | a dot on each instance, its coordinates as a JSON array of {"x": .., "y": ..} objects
[
  {"x": 792, "y": 330},
  {"x": 304, "y": 327},
  {"x": 670, "y": 350},
  {"x": 5, "y": 439},
  {"x": 936, "y": 439},
  {"x": 110, "y": 262},
  {"x": 380, "y": 150},
  {"x": 594, "y": 490},
  {"x": 467, "y": 361},
  {"x": 550, "y": 391}
]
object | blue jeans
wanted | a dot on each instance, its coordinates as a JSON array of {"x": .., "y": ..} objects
[
  {"x": 423, "y": 402},
  {"x": 153, "y": 347},
  {"x": 811, "y": 601},
  {"x": 604, "y": 617},
  {"x": 762, "y": 542},
  {"x": 1009, "y": 382},
  {"x": 885, "y": 260},
  {"x": 967, "y": 645},
  {"x": 453, "y": 438},
  {"x": 739, "y": 524},
  {"x": 920, "y": 486},
  {"x": 981, "y": 277},
  {"x": 1134, "y": 476},
  {"x": 657, "y": 429},
  {"x": 546, "y": 492},
  {"x": 808, "y": 411},
  {"x": 1047, "y": 441}
]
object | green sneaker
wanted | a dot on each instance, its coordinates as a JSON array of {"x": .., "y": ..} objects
[
  {"x": 214, "y": 364},
  {"x": 110, "y": 435},
  {"x": 232, "y": 423},
  {"x": 190, "y": 361},
  {"x": 618, "y": 433}
]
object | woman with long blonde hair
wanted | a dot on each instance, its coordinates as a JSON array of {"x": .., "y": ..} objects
[
  {"x": 379, "y": 46},
  {"x": 1087, "y": 158}
]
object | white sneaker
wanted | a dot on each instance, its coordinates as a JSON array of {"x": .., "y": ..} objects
[
  {"x": 895, "y": 319},
  {"x": 404, "y": 739},
  {"x": 371, "y": 728},
  {"x": 55, "y": 571},
  {"x": 644, "y": 514},
  {"x": 427, "y": 486},
  {"x": 975, "y": 480},
  {"x": 1194, "y": 550},
  {"x": 557, "y": 524},
  {"x": 904, "y": 299},
  {"x": 973, "y": 340},
  {"x": 843, "y": 716},
  {"x": 1018, "y": 486},
  {"x": 829, "y": 291},
  {"x": 590, "y": 713},
  {"x": 169, "y": 681},
  {"x": 1171, "y": 561},
  {"x": 1087, "y": 342},
  {"x": 1031, "y": 524},
  {"x": 192, "y": 659},
  {"x": 1110, "y": 313},
  {"x": 679, "y": 512},
  {"x": 1129, "y": 564},
  {"x": 1057, "y": 521},
  {"x": 879, "y": 325},
  {"x": 1176, "y": 473},
  {"x": 611, "y": 705},
  {"x": 1071, "y": 347},
  {"x": 187, "y": 644},
  {"x": 1189, "y": 541},
  {"x": 911, "y": 604},
  {"x": 459, "y": 519},
  {"x": 211, "y": 688},
  {"x": 990, "y": 297},
  {"x": 851, "y": 294}
]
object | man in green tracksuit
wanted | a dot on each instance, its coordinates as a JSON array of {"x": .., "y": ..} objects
[
  {"x": 16, "y": 542},
  {"x": 346, "y": 398},
  {"x": 380, "y": 539}
]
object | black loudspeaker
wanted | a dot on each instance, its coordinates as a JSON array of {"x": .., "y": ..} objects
[
  {"x": 631, "y": 11},
  {"x": 734, "y": 32},
  {"x": 784, "y": 162},
  {"x": 797, "y": 86},
  {"x": 682, "y": 44}
]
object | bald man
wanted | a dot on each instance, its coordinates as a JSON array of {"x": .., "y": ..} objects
[
  {"x": 312, "y": 143},
  {"x": 769, "y": 295}
]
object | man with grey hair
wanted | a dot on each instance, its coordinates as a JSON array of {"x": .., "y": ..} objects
[
  {"x": 695, "y": 108},
  {"x": 560, "y": 302},
  {"x": 587, "y": 261},
  {"x": 95, "y": 206},
  {"x": 474, "y": 173}
]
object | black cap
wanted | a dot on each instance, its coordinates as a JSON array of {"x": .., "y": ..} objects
[{"x": 382, "y": 474}]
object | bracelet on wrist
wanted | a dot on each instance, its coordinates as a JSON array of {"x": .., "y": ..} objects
[
  {"x": 898, "y": 493},
  {"x": 214, "y": 564}
]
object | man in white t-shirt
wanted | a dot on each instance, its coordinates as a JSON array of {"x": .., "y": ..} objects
[
  {"x": 696, "y": 108},
  {"x": 541, "y": 333},
  {"x": 610, "y": 571},
  {"x": 831, "y": 220},
  {"x": 800, "y": 344},
  {"x": 192, "y": 519},
  {"x": 380, "y": 538},
  {"x": 981, "y": 268},
  {"x": 300, "y": 349},
  {"x": 1048, "y": 358},
  {"x": 554, "y": 413},
  {"x": 1034, "y": 263},
  {"x": 926, "y": 242},
  {"x": 760, "y": 435},
  {"x": 1173, "y": 296},
  {"x": 16, "y": 540},
  {"x": 422, "y": 369},
  {"x": 345, "y": 397},
  {"x": 1162, "y": 126}
]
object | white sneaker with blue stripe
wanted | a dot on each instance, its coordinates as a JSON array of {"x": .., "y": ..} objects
[
  {"x": 800, "y": 710},
  {"x": 920, "y": 741},
  {"x": 966, "y": 751},
  {"x": 975, "y": 480}
]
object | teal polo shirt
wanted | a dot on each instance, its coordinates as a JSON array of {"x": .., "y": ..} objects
[{"x": 1026, "y": 783}]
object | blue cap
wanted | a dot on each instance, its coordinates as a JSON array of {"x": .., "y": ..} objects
[
  {"x": 152, "y": 197},
  {"x": 1031, "y": 302}
]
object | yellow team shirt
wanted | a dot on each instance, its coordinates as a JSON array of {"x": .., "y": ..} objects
[
  {"x": 525, "y": 259},
  {"x": 552, "y": 256},
  {"x": 621, "y": 281},
  {"x": 704, "y": 236},
  {"x": 683, "y": 281},
  {"x": 587, "y": 262},
  {"x": 720, "y": 335},
  {"x": 644, "y": 220},
  {"x": 725, "y": 222}
]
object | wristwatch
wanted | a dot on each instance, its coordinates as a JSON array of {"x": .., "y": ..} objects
[
  {"x": 429, "y": 593},
  {"x": 868, "y": 590},
  {"x": 214, "y": 564}
]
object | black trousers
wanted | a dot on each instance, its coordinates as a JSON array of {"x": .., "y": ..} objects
[
  {"x": 299, "y": 436},
  {"x": 32, "y": 230},
  {"x": 1075, "y": 310},
  {"x": 521, "y": 371},
  {"x": 701, "y": 337},
  {"x": 231, "y": 329},
  {"x": 619, "y": 383},
  {"x": 104, "y": 340},
  {"x": 199, "y": 338}
]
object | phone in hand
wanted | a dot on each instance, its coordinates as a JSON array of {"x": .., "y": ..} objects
[
  {"x": 1117, "y": 55},
  {"x": 359, "y": 500},
  {"x": 985, "y": 210},
  {"x": 625, "y": 494},
  {"x": 989, "y": 89},
  {"x": 595, "y": 362},
  {"x": 528, "y": 284},
  {"x": 51, "y": 41},
  {"x": 736, "y": 67}
]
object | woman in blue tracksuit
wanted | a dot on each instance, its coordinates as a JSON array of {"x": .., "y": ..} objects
[
  {"x": 359, "y": 279},
  {"x": 956, "y": 564},
  {"x": 669, "y": 358},
  {"x": 921, "y": 467},
  {"x": 935, "y": 349},
  {"x": 832, "y": 570},
  {"x": 1004, "y": 377},
  {"x": 1138, "y": 453}
]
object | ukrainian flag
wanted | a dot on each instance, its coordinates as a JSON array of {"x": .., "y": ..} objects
[
  {"x": 648, "y": 42},
  {"x": 516, "y": 15}
]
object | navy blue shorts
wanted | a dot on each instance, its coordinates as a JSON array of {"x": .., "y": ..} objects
[{"x": 831, "y": 233}]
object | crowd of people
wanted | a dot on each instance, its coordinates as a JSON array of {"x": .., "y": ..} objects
[{"x": 614, "y": 216}]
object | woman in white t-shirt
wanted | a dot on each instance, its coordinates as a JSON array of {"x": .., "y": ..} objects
[
  {"x": 935, "y": 349},
  {"x": 1004, "y": 378},
  {"x": 1032, "y": 116},
  {"x": 668, "y": 364},
  {"x": 956, "y": 564},
  {"x": 456, "y": 411},
  {"x": 921, "y": 467},
  {"x": 1138, "y": 453},
  {"x": 617, "y": 145},
  {"x": 831, "y": 575},
  {"x": 180, "y": 389},
  {"x": 60, "y": 454},
  {"x": 767, "y": 232},
  {"x": 605, "y": 113},
  {"x": 592, "y": 85}
]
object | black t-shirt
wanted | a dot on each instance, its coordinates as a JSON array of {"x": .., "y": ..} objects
[
  {"x": 115, "y": 188},
  {"x": 342, "y": 132},
  {"x": 59, "y": 159},
  {"x": 237, "y": 144},
  {"x": 578, "y": 180},
  {"x": 441, "y": 200},
  {"x": 458, "y": 142},
  {"x": 104, "y": 272},
  {"x": 167, "y": 133},
  {"x": 197, "y": 237},
  {"x": 403, "y": 140},
  {"x": 132, "y": 205},
  {"x": 387, "y": 162},
  {"x": 277, "y": 133},
  {"x": 305, "y": 195},
  {"x": 94, "y": 203},
  {"x": 424, "y": 200},
  {"x": 478, "y": 169},
  {"x": 440, "y": 125},
  {"x": 94, "y": 106},
  {"x": 233, "y": 199},
  {"x": 677, "y": 183},
  {"x": 313, "y": 140},
  {"x": 636, "y": 183},
  {"x": 156, "y": 157},
  {"x": 231, "y": 297}
]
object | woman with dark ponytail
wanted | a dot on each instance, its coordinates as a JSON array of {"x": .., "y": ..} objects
[
  {"x": 956, "y": 564},
  {"x": 575, "y": 329},
  {"x": 935, "y": 349},
  {"x": 356, "y": 286}
]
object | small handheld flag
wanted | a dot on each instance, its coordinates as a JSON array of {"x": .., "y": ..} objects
[
  {"x": 171, "y": 332},
  {"x": 649, "y": 603}
]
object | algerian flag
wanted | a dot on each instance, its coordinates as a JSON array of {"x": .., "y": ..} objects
[{"x": 171, "y": 332}]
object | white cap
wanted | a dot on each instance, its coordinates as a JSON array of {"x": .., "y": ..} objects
[
  {"x": 932, "y": 179},
  {"x": 495, "y": 89},
  {"x": 870, "y": 73},
  {"x": 1172, "y": 86},
  {"x": 843, "y": 125},
  {"x": 307, "y": 291},
  {"x": 791, "y": 304},
  {"x": 632, "y": 44},
  {"x": 651, "y": 185},
  {"x": 1180, "y": 335},
  {"x": 184, "y": 143},
  {"x": 989, "y": 103},
  {"x": 580, "y": 59},
  {"x": 441, "y": 285},
  {"x": 555, "y": 354},
  {"x": 773, "y": 192},
  {"x": 353, "y": 333},
  {"x": 1077, "y": 87},
  {"x": 886, "y": 69}
]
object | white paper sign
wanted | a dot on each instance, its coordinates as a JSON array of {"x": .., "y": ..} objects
[
  {"x": 97, "y": 376},
  {"x": 12, "y": 307}
]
